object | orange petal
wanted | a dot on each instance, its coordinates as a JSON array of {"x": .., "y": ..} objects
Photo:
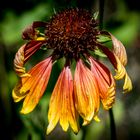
[
  {"x": 61, "y": 104},
  {"x": 86, "y": 92},
  {"x": 33, "y": 87},
  {"x": 23, "y": 54},
  {"x": 105, "y": 82}
]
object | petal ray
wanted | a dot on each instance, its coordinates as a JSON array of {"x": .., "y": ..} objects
[
  {"x": 105, "y": 82},
  {"x": 86, "y": 92},
  {"x": 61, "y": 106}
]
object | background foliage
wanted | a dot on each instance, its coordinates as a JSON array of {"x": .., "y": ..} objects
[{"x": 121, "y": 18}]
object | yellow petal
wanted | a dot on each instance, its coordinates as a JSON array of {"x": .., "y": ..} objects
[
  {"x": 17, "y": 96},
  {"x": 121, "y": 73},
  {"x": 61, "y": 107},
  {"x": 127, "y": 84},
  {"x": 86, "y": 92}
]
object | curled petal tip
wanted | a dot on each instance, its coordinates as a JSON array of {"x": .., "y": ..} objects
[
  {"x": 127, "y": 84},
  {"x": 120, "y": 70},
  {"x": 25, "y": 75}
]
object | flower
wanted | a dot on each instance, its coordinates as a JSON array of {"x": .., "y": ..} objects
[{"x": 73, "y": 35}]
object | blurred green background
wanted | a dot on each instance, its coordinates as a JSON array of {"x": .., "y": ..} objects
[{"x": 121, "y": 18}]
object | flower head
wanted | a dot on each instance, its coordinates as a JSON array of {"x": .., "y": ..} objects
[{"x": 73, "y": 35}]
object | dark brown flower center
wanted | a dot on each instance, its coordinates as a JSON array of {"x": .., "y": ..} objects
[{"x": 72, "y": 32}]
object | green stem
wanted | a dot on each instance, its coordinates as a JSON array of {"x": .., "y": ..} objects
[{"x": 112, "y": 125}]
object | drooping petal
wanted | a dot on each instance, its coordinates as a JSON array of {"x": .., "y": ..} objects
[
  {"x": 32, "y": 87},
  {"x": 86, "y": 92},
  {"x": 61, "y": 106},
  {"x": 118, "y": 48},
  {"x": 23, "y": 54},
  {"x": 127, "y": 84},
  {"x": 119, "y": 68},
  {"x": 121, "y": 73},
  {"x": 106, "y": 83}
]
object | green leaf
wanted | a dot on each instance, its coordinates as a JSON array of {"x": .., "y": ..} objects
[
  {"x": 103, "y": 38},
  {"x": 99, "y": 53}
]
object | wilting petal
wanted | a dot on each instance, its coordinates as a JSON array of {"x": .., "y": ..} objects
[
  {"x": 23, "y": 54},
  {"x": 33, "y": 87},
  {"x": 119, "y": 68},
  {"x": 127, "y": 84},
  {"x": 118, "y": 48},
  {"x": 86, "y": 92},
  {"x": 105, "y": 82},
  {"x": 121, "y": 73},
  {"x": 61, "y": 106}
]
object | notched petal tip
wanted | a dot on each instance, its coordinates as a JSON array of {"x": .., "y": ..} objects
[
  {"x": 110, "y": 99},
  {"x": 61, "y": 107}
]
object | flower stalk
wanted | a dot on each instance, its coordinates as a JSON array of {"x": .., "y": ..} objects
[{"x": 111, "y": 115}]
